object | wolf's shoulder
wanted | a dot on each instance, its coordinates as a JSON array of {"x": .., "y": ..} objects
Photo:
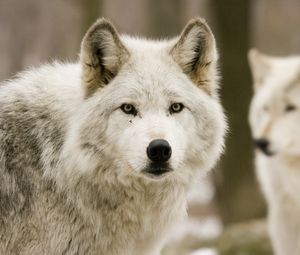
[
  {"x": 34, "y": 111},
  {"x": 39, "y": 100},
  {"x": 54, "y": 79},
  {"x": 40, "y": 97}
]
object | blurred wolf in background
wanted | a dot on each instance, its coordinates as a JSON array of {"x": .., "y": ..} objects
[
  {"x": 96, "y": 157},
  {"x": 275, "y": 123}
]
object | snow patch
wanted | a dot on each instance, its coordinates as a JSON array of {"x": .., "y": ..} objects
[{"x": 205, "y": 251}]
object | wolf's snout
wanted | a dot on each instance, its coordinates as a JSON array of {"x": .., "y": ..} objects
[
  {"x": 263, "y": 145},
  {"x": 159, "y": 151}
]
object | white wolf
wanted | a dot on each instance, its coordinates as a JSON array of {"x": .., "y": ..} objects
[
  {"x": 275, "y": 122},
  {"x": 96, "y": 157}
]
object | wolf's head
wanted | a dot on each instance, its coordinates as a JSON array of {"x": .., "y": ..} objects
[
  {"x": 275, "y": 108},
  {"x": 151, "y": 107}
]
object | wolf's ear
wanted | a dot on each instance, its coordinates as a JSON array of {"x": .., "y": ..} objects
[
  {"x": 102, "y": 55},
  {"x": 260, "y": 65},
  {"x": 195, "y": 52}
]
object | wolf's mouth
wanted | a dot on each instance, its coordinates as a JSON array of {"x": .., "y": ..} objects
[
  {"x": 263, "y": 145},
  {"x": 156, "y": 170},
  {"x": 267, "y": 152}
]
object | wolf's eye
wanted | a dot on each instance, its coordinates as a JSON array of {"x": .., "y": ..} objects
[
  {"x": 176, "y": 107},
  {"x": 129, "y": 109},
  {"x": 290, "y": 108}
]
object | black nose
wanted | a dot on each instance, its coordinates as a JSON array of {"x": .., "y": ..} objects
[
  {"x": 262, "y": 144},
  {"x": 159, "y": 151}
]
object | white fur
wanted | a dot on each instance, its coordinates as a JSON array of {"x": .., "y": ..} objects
[
  {"x": 101, "y": 199},
  {"x": 277, "y": 85}
]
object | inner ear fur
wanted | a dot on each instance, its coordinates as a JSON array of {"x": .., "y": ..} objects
[
  {"x": 102, "y": 55},
  {"x": 195, "y": 52}
]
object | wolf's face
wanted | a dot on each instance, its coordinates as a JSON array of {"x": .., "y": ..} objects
[
  {"x": 275, "y": 108},
  {"x": 151, "y": 108},
  {"x": 161, "y": 122}
]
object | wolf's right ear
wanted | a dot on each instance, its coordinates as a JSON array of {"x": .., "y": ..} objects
[
  {"x": 195, "y": 52},
  {"x": 102, "y": 55},
  {"x": 260, "y": 65}
]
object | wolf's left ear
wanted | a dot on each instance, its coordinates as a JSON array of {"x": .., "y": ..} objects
[
  {"x": 260, "y": 65},
  {"x": 102, "y": 55},
  {"x": 195, "y": 52}
]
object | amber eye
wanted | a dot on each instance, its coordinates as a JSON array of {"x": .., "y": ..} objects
[
  {"x": 129, "y": 109},
  {"x": 290, "y": 108},
  {"x": 176, "y": 108}
]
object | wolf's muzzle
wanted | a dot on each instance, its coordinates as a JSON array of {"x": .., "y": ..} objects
[{"x": 263, "y": 145}]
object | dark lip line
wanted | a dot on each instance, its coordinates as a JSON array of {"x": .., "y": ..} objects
[
  {"x": 269, "y": 153},
  {"x": 266, "y": 153},
  {"x": 157, "y": 170},
  {"x": 156, "y": 174}
]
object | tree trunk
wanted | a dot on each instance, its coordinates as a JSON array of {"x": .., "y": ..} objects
[
  {"x": 164, "y": 18},
  {"x": 91, "y": 10},
  {"x": 237, "y": 191}
]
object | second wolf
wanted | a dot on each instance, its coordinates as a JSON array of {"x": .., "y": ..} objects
[{"x": 275, "y": 122}]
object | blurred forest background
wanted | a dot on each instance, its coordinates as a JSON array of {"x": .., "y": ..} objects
[{"x": 33, "y": 32}]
